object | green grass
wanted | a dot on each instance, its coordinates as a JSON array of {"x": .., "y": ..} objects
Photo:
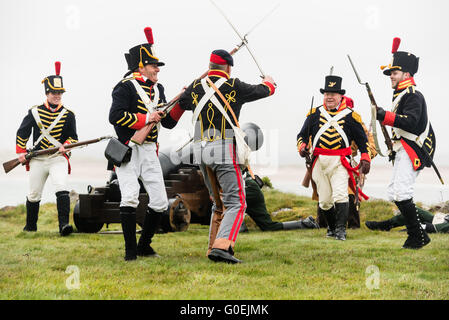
[{"x": 297, "y": 264}]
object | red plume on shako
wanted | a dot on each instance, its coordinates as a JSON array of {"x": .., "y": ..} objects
[
  {"x": 54, "y": 83},
  {"x": 142, "y": 54},
  {"x": 396, "y": 43},
  {"x": 403, "y": 61},
  {"x": 149, "y": 35}
]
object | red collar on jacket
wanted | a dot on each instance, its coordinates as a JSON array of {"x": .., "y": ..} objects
[
  {"x": 218, "y": 73},
  {"x": 340, "y": 108},
  {"x": 405, "y": 84}
]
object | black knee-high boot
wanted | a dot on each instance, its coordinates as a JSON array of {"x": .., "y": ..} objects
[
  {"x": 128, "y": 219},
  {"x": 63, "y": 206},
  {"x": 329, "y": 216},
  {"x": 32, "y": 215},
  {"x": 150, "y": 225},
  {"x": 417, "y": 237},
  {"x": 342, "y": 210}
]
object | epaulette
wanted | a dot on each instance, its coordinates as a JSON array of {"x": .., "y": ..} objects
[
  {"x": 69, "y": 110},
  {"x": 411, "y": 89},
  {"x": 127, "y": 79},
  {"x": 230, "y": 82},
  {"x": 311, "y": 111},
  {"x": 196, "y": 83},
  {"x": 357, "y": 117}
]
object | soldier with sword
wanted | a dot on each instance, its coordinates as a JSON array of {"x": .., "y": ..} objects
[{"x": 216, "y": 102}]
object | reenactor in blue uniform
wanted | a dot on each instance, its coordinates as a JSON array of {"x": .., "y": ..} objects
[
  {"x": 330, "y": 130},
  {"x": 215, "y": 146},
  {"x": 52, "y": 125},
  {"x": 134, "y": 102},
  {"x": 413, "y": 140}
]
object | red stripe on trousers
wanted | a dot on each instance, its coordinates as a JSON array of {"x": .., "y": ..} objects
[{"x": 239, "y": 219}]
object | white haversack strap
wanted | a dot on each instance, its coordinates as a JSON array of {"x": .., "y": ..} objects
[
  {"x": 46, "y": 132},
  {"x": 150, "y": 104},
  {"x": 208, "y": 93},
  {"x": 334, "y": 123},
  {"x": 413, "y": 137}
]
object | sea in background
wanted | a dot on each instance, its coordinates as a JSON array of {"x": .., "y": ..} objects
[{"x": 428, "y": 189}]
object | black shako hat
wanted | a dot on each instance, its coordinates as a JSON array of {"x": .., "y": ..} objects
[
  {"x": 403, "y": 61},
  {"x": 221, "y": 57},
  {"x": 143, "y": 54},
  {"x": 54, "y": 83},
  {"x": 333, "y": 84}
]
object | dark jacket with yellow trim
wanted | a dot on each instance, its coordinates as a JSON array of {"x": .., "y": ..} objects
[
  {"x": 213, "y": 125},
  {"x": 128, "y": 112},
  {"x": 331, "y": 139},
  {"x": 411, "y": 116},
  {"x": 64, "y": 131}
]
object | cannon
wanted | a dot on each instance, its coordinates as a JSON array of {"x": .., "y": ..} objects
[{"x": 189, "y": 200}]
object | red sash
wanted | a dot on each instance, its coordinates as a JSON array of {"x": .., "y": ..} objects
[{"x": 351, "y": 170}]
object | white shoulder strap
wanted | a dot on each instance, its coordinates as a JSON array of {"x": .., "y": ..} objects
[
  {"x": 209, "y": 92},
  {"x": 405, "y": 134},
  {"x": 332, "y": 121},
  {"x": 150, "y": 104},
  {"x": 220, "y": 108},
  {"x": 397, "y": 100},
  {"x": 46, "y": 132}
]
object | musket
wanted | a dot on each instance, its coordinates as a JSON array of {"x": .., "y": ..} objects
[
  {"x": 308, "y": 175},
  {"x": 242, "y": 38},
  {"x": 141, "y": 134},
  {"x": 9, "y": 165},
  {"x": 359, "y": 186},
  {"x": 387, "y": 138}
]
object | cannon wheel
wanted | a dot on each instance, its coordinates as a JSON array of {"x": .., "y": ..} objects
[{"x": 83, "y": 224}]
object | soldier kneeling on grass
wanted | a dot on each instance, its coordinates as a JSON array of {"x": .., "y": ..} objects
[{"x": 257, "y": 210}]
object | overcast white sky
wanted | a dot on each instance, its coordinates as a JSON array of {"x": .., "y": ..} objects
[{"x": 297, "y": 45}]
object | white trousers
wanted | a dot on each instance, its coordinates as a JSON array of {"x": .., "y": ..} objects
[
  {"x": 40, "y": 169},
  {"x": 402, "y": 184},
  {"x": 331, "y": 179},
  {"x": 144, "y": 165}
]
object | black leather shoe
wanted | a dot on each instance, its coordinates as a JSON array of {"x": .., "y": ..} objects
[
  {"x": 310, "y": 223},
  {"x": 219, "y": 255},
  {"x": 147, "y": 251},
  {"x": 379, "y": 225},
  {"x": 66, "y": 230},
  {"x": 330, "y": 233}
]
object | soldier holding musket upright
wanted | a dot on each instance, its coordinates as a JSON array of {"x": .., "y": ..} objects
[
  {"x": 331, "y": 128},
  {"x": 53, "y": 125},
  {"x": 413, "y": 140},
  {"x": 134, "y": 102}
]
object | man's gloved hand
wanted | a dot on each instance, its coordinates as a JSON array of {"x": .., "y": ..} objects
[
  {"x": 364, "y": 166},
  {"x": 380, "y": 114},
  {"x": 302, "y": 149}
]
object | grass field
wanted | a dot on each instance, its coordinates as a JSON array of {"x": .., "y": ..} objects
[{"x": 297, "y": 264}]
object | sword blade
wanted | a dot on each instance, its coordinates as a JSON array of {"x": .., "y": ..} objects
[
  {"x": 244, "y": 40},
  {"x": 261, "y": 20},
  {"x": 355, "y": 71},
  {"x": 229, "y": 21}
]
